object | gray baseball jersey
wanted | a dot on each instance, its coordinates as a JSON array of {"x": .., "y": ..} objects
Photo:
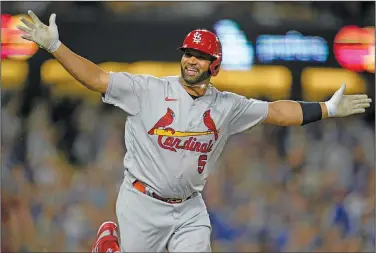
[{"x": 172, "y": 140}]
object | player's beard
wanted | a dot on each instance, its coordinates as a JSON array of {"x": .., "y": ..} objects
[{"x": 193, "y": 81}]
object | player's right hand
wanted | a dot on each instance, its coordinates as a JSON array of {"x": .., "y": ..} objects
[{"x": 46, "y": 37}]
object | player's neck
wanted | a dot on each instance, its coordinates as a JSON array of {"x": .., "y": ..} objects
[
  {"x": 195, "y": 91},
  {"x": 198, "y": 90}
]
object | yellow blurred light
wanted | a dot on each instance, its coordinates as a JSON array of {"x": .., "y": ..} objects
[
  {"x": 13, "y": 74},
  {"x": 273, "y": 82},
  {"x": 158, "y": 69},
  {"x": 320, "y": 83},
  {"x": 63, "y": 84},
  {"x": 53, "y": 72}
]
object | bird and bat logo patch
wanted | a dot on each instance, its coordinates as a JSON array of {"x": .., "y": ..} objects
[{"x": 170, "y": 139}]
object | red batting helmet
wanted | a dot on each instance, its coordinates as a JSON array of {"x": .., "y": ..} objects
[{"x": 206, "y": 42}]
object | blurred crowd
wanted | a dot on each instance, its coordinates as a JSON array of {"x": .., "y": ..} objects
[
  {"x": 59, "y": 183},
  {"x": 297, "y": 189},
  {"x": 276, "y": 189}
]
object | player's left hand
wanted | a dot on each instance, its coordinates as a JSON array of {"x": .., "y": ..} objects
[{"x": 345, "y": 105}]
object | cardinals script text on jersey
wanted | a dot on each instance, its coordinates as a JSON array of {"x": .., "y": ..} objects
[{"x": 170, "y": 139}]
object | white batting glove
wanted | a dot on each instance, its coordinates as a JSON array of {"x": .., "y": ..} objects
[
  {"x": 46, "y": 37},
  {"x": 345, "y": 105}
]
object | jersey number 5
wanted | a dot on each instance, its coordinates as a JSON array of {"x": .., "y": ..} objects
[{"x": 201, "y": 163}]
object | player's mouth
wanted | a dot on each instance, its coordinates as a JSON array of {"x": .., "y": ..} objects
[{"x": 191, "y": 71}]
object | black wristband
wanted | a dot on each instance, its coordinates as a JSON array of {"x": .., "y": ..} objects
[{"x": 311, "y": 112}]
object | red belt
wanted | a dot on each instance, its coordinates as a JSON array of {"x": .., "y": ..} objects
[{"x": 148, "y": 191}]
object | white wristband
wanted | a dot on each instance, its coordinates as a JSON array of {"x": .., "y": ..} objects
[
  {"x": 331, "y": 109},
  {"x": 54, "y": 46}
]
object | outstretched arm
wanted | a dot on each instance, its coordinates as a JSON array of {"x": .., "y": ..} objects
[
  {"x": 47, "y": 37},
  {"x": 83, "y": 70},
  {"x": 293, "y": 113}
]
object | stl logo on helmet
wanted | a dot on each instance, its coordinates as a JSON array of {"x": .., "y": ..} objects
[{"x": 197, "y": 37}]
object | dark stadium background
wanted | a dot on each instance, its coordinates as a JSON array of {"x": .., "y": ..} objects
[{"x": 306, "y": 189}]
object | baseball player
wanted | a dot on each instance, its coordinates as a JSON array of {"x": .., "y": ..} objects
[{"x": 176, "y": 129}]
